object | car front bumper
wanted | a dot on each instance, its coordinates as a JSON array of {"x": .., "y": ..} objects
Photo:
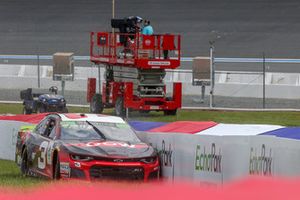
[{"x": 102, "y": 170}]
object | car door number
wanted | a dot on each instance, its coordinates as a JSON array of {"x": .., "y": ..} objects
[{"x": 42, "y": 159}]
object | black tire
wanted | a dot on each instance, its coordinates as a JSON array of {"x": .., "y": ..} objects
[
  {"x": 56, "y": 169},
  {"x": 26, "y": 111},
  {"x": 65, "y": 110},
  {"x": 170, "y": 112},
  {"x": 96, "y": 105},
  {"x": 119, "y": 107},
  {"x": 24, "y": 163}
]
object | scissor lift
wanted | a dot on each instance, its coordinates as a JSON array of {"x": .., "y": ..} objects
[{"x": 135, "y": 70}]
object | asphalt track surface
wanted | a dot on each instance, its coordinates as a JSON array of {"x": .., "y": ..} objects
[{"x": 240, "y": 28}]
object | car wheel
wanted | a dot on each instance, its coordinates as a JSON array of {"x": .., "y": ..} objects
[
  {"x": 96, "y": 105},
  {"x": 56, "y": 171},
  {"x": 24, "y": 163},
  {"x": 119, "y": 107},
  {"x": 170, "y": 112},
  {"x": 27, "y": 111}
]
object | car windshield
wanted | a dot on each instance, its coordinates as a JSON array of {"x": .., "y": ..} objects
[
  {"x": 86, "y": 130},
  {"x": 79, "y": 130}
]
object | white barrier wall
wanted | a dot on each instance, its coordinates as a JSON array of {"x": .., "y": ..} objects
[
  {"x": 235, "y": 153},
  {"x": 286, "y": 157},
  {"x": 198, "y": 158},
  {"x": 165, "y": 145},
  {"x": 8, "y": 138},
  {"x": 278, "y": 85},
  {"x": 218, "y": 159}
]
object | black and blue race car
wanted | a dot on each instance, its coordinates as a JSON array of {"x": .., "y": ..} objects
[{"x": 40, "y": 103}]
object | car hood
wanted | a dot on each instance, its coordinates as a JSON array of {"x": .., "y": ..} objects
[{"x": 116, "y": 149}]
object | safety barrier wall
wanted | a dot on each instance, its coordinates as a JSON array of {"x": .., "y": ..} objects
[
  {"x": 218, "y": 159},
  {"x": 203, "y": 158},
  {"x": 8, "y": 135}
]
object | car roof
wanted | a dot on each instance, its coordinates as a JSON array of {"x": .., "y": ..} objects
[{"x": 89, "y": 117}]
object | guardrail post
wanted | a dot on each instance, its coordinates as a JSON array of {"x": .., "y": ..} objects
[
  {"x": 212, "y": 75},
  {"x": 63, "y": 85},
  {"x": 264, "y": 80},
  {"x": 38, "y": 71},
  {"x": 99, "y": 78}
]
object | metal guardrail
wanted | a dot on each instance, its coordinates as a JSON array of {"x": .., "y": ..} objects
[
  {"x": 183, "y": 59},
  {"x": 41, "y": 57},
  {"x": 50, "y": 57},
  {"x": 257, "y": 60}
]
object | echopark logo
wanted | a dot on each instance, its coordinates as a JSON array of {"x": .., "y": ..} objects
[
  {"x": 261, "y": 161},
  {"x": 208, "y": 159},
  {"x": 166, "y": 153}
]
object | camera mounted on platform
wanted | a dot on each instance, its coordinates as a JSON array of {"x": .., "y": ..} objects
[{"x": 128, "y": 25}]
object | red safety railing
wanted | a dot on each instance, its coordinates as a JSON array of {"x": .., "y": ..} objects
[{"x": 136, "y": 50}]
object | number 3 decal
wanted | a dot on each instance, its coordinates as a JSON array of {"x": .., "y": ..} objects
[{"x": 42, "y": 158}]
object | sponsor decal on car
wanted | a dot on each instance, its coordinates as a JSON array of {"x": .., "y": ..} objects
[
  {"x": 65, "y": 169},
  {"x": 77, "y": 164},
  {"x": 109, "y": 143},
  {"x": 118, "y": 160},
  {"x": 49, "y": 152}
]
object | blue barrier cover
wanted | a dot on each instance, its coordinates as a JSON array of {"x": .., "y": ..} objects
[
  {"x": 145, "y": 126},
  {"x": 290, "y": 132}
]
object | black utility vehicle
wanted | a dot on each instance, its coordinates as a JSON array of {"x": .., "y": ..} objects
[{"x": 40, "y": 103}]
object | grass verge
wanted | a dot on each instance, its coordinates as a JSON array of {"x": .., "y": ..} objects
[
  {"x": 240, "y": 117},
  {"x": 10, "y": 175}
]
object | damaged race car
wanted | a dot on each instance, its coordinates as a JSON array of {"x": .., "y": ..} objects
[{"x": 85, "y": 146}]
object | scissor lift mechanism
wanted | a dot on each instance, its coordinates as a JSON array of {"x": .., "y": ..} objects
[{"x": 135, "y": 70}]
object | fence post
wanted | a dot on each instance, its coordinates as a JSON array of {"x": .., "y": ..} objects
[
  {"x": 212, "y": 74},
  {"x": 63, "y": 85},
  {"x": 264, "y": 80},
  {"x": 38, "y": 69},
  {"x": 99, "y": 78}
]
